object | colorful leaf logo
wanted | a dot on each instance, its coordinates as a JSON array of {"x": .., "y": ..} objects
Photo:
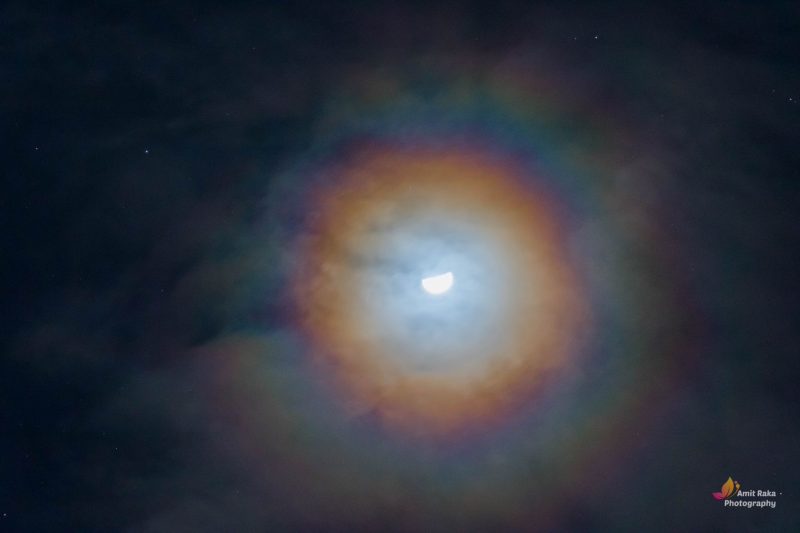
[{"x": 729, "y": 488}]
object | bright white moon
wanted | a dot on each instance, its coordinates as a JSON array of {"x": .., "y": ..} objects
[{"x": 438, "y": 284}]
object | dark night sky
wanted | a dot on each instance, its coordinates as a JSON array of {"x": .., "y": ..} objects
[{"x": 140, "y": 148}]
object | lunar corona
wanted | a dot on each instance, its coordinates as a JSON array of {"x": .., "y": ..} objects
[{"x": 454, "y": 358}]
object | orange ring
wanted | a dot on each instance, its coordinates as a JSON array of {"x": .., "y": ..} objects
[{"x": 530, "y": 325}]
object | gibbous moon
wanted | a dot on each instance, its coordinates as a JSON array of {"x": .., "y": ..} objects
[{"x": 438, "y": 284}]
